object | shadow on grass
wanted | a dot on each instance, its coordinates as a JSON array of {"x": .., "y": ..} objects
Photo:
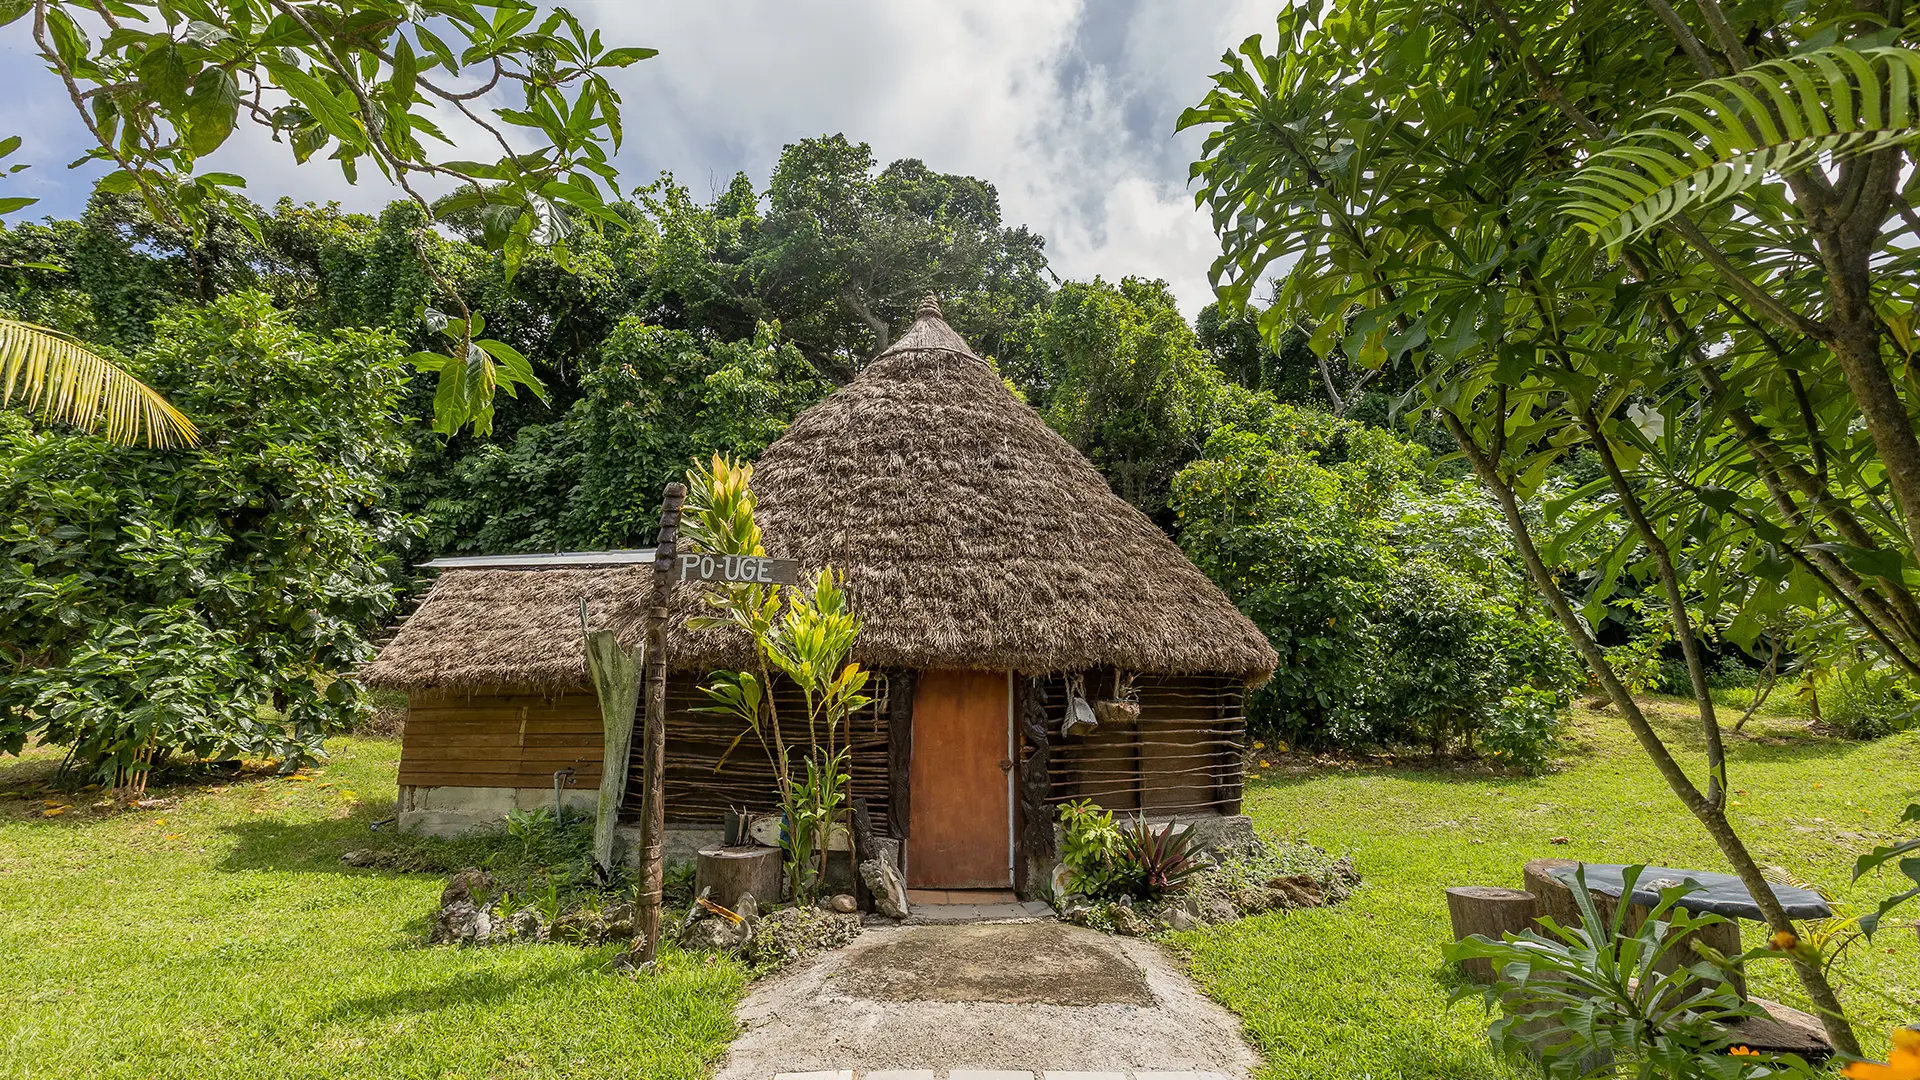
[
  {"x": 465, "y": 989},
  {"x": 274, "y": 843}
]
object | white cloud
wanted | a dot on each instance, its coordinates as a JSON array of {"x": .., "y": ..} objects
[{"x": 1067, "y": 106}]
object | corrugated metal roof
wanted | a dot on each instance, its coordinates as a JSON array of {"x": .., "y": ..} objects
[{"x": 554, "y": 560}]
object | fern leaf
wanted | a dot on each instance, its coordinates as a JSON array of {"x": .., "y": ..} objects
[{"x": 1717, "y": 140}]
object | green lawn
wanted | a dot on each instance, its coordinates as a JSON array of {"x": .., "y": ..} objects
[
  {"x": 1359, "y": 990},
  {"x": 223, "y": 938}
]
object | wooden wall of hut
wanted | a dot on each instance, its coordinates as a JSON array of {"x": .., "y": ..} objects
[
  {"x": 1182, "y": 756},
  {"x": 711, "y": 769},
  {"x": 500, "y": 740}
]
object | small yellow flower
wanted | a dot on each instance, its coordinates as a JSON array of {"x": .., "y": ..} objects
[
  {"x": 1783, "y": 941},
  {"x": 1743, "y": 1051},
  {"x": 1259, "y": 746}
]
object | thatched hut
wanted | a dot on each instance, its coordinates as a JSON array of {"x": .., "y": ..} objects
[{"x": 999, "y": 578}]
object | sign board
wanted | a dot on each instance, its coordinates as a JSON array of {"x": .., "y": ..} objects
[{"x": 738, "y": 569}]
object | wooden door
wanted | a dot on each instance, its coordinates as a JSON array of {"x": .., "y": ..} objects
[{"x": 962, "y": 825}]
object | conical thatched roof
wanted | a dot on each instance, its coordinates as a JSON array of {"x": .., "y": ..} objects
[
  {"x": 972, "y": 535},
  {"x": 488, "y": 630}
]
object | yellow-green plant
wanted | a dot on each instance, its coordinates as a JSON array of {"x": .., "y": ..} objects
[
  {"x": 62, "y": 379},
  {"x": 805, "y": 633}
]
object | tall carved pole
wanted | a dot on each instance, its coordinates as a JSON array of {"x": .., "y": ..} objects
[{"x": 653, "y": 825}]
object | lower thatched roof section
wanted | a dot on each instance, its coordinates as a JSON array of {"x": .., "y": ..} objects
[{"x": 491, "y": 630}]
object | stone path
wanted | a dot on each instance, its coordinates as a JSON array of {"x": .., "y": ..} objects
[
  {"x": 990, "y": 1001},
  {"x": 997, "y": 1075}
]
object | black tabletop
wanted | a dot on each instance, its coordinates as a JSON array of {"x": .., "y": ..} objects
[{"x": 1719, "y": 894}]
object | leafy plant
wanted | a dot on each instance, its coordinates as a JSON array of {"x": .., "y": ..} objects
[
  {"x": 167, "y": 83},
  {"x": 805, "y": 633},
  {"x": 1882, "y": 855},
  {"x": 1160, "y": 859},
  {"x": 1590, "y": 995},
  {"x": 527, "y": 826},
  {"x": 1092, "y": 849}
]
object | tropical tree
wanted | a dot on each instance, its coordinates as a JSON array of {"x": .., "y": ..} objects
[
  {"x": 161, "y": 84},
  {"x": 1703, "y": 302},
  {"x": 63, "y": 380}
]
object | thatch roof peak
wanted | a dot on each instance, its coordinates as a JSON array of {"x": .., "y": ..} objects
[{"x": 930, "y": 332}]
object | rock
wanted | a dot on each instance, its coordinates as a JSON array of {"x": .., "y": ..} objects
[
  {"x": 1123, "y": 901},
  {"x": 1225, "y": 837},
  {"x": 470, "y": 885},
  {"x": 843, "y": 903},
  {"x": 462, "y": 923},
  {"x": 1075, "y": 908},
  {"x": 1297, "y": 891},
  {"x": 578, "y": 928},
  {"x": 788, "y": 934},
  {"x": 361, "y": 857},
  {"x": 525, "y": 925},
  {"x": 748, "y": 910},
  {"x": 1061, "y": 879},
  {"x": 888, "y": 888},
  {"x": 714, "y": 935},
  {"x": 618, "y": 920},
  {"x": 1182, "y": 919},
  {"x": 1128, "y": 922},
  {"x": 1215, "y": 909}
]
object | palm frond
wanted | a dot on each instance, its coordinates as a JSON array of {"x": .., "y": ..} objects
[
  {"x": 1724, "y": 136},
  {"x": 63, "y": 380}
]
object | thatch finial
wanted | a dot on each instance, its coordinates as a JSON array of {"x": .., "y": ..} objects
[{"x": 929, "y": 305}]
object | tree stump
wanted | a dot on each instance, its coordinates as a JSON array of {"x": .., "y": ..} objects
[
  {"x": 731, "y": 872},
  {"x": 1490, "y": 912},
  {"x": 1554, "y": 898},
  {"x": 1724, "y": 937}
]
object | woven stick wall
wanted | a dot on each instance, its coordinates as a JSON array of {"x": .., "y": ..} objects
[
  {"x": 705, "y": 779},
  {"x": 1182, "y": 756}
]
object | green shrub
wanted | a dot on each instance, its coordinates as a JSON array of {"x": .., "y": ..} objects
[
  {"x": 1864, "y": 702},
  {"x": 211, "y": 600},
  {"x": 1394, "y": 600}
]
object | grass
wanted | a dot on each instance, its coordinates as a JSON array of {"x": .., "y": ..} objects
[
  {"x": 222, "y": 937},
  {"x": 1359, "y": 990}
]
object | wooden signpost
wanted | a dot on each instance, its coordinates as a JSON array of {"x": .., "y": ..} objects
[
  {"x": 653, "y": 823},
  {"x": 736, "y": 569}
]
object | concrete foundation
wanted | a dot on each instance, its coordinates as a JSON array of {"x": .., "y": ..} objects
[{"x": 456, "y": 811}]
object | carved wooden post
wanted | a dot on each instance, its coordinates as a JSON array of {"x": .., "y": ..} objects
[
  {"x": 653, "y": 824},
  {"x": 1036, "y": 836},
  {"x": 899, "y": 752}
]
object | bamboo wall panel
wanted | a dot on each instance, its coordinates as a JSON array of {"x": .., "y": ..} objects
[
  {"x": 1183, "y": 755},
  {"x": 711, "y": 768},
  {"x": 501, "y": 740}
]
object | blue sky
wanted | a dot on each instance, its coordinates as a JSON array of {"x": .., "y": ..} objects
[{"x": 1067, "y": 106}]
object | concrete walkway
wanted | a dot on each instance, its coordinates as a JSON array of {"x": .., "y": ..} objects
[{"x": 990, "y": 1001}]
